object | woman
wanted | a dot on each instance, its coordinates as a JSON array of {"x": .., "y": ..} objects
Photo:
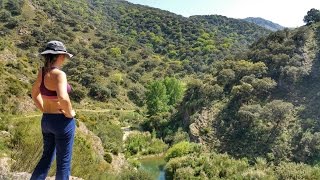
[{"x": 50, "y": 95}]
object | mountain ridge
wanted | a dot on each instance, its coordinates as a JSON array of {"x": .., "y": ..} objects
[{"x": 264, "y": 23}]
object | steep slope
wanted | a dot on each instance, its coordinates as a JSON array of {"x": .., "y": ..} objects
[
  {"x": 264, "y": 23},
  {"x": 265, "y": 106},
  {"x": 184, "y": 38},
  {"x": 242, "y": 32},
  {"x": 119, "y": 47},
  {"x": 25, "y": 150}
]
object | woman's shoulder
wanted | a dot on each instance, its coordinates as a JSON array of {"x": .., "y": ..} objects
[{"x": 59, "y": 74}]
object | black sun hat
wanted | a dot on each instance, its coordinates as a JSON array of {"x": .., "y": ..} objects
[{"x": 56, "y": 47}]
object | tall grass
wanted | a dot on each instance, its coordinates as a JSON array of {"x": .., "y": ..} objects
[{"x": 26, "y": 144}]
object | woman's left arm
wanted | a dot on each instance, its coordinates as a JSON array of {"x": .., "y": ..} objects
[{"x": 36, "y": 96}]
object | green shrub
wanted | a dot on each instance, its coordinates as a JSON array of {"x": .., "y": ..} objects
[
  {"x": 181, "y": 149},
  {"x": 135, "y": 163},
  {"x": 296, "y": 171},
  {"x": 77, "y": 94},
  {"x": 137, "y": 142},
  {"x": 156, "y": 146},
  {"x": 180, "y": 136},
  {"x": 109, "y": 132},
  {"x": 12, "y": 23},
  {"x": 16, "y": 88},
  {"x": 185, "y": 173},
  {"x": 14, "y": 6},
  {"x": 143, "y": 143},
  {"x": 4, "y": 15},
  {"x": 99, "y": 93},
  {"x": 108, "y": 157},
  {"x": 135, "y": 175}
]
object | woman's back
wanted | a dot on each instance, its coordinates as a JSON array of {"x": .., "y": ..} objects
[
  {"x": 50, "y": 94},
  {"x": 48, "y": 89}
]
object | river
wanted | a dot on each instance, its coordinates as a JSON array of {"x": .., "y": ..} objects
[{"x": 155, "y": 166}]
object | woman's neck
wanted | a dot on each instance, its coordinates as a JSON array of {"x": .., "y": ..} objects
[{"x": 56, "y": 65}]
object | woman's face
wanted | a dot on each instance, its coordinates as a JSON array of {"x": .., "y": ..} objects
[{"x": 62, "y": 57}]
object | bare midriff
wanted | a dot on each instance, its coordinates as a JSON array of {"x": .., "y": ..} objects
[{"x": 51, "y": 106}]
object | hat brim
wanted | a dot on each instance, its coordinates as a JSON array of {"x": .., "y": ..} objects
[{"x": 56, "y": 52}]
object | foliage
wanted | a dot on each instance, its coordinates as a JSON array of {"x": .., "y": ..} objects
[
  {"x": 312, "y": 16},
  {"x": 109, "y": 132},
  {"x": 181, "y": 149},
  {"x": 135, "y": 175},
  {"x": 296, "y": 171},
  {"x": 161, "y": 95},
  {"x": 247, "y": 100},
  {"x": 157, "y": 98},
  {"x": 222, "y": 166},
  {"x": 25, "y": 139},
  {"x": 144, "y": 144},
  {"x": 99, "y": 93},
  {"x": 108, "y": 158},
  {"x": 14, "y": 6}
]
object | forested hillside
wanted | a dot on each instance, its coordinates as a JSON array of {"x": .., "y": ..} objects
[
  {"x": 118, "y": 46},
  {"x": 191, "y": 89},
  {"x": 264, "y": 23},
  {"x": 264, "y": 107}
]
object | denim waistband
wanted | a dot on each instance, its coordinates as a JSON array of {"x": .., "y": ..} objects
[{"x": 55, "y": 115}]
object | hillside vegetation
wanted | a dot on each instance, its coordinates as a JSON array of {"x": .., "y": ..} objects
[
  {"x": 264, "y": 23},
  {"x": 212, "y": 92},
  {"x": 118, "y": 47}
]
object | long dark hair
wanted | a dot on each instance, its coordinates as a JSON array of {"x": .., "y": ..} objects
[{"x": 49, "y": 59}]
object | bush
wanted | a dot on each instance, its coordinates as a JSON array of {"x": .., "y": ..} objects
[
  {"x": 14, "y": 6},
  {"x": 296, "y": 171},
  {"x": 12, "y": 23},
  {"x": 77, "y": 94},
  {"x": 156, "y": 146},
  {"x": 4, "y": 16},
  {"x": 108, "y": 157},
  {"x": 135, "y": 175},
  {"x": 137, "y": 94},
  {"x": 181, "y": 149},
  {"x": 135, "y": 163},
  {"x": 184, "y": 173},
  {"x": 137, "y": 142},
  {"x": 144, "y": 144},
  {"x": 16, "y": 88},
  {"x": 99, "y": 93},
  {"x": 180, "y": 136}
]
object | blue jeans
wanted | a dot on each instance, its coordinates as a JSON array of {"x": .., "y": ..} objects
[{"x": 58, "y": 136}]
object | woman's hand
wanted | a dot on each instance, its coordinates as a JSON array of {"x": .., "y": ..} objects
[{"x": 69, "y": 115}]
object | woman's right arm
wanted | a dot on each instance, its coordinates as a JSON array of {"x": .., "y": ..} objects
[
  {"x": 35, "y": 92},
  {"x": 63, "y": 95}
]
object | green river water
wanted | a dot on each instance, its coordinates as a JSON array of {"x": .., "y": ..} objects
[{"x": 155, "y": 166}]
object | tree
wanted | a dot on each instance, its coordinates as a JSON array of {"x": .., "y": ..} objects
[
  {"x": 226, "y": 76},
  {"x": 156, "y": 98},
  {"x": 12, "y": 23},
  {"x": 78, "y": 94},
  {"x": 4, "y": 15},
  {"x": 14, "y": 7},
  {"x": 99, "y": 93},
  {"x": 174, "y": 90},
  {"x": 308, "y": 148},
  {"x": 115, "y": 52},
  {"x": 136, "y": 94},
  {"x": 312, "y": 16}
]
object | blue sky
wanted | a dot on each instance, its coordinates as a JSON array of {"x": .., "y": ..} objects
[{"x": 287, "y": 13}]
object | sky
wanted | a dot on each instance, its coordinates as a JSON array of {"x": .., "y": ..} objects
[{"x": 288, "y": 13}]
